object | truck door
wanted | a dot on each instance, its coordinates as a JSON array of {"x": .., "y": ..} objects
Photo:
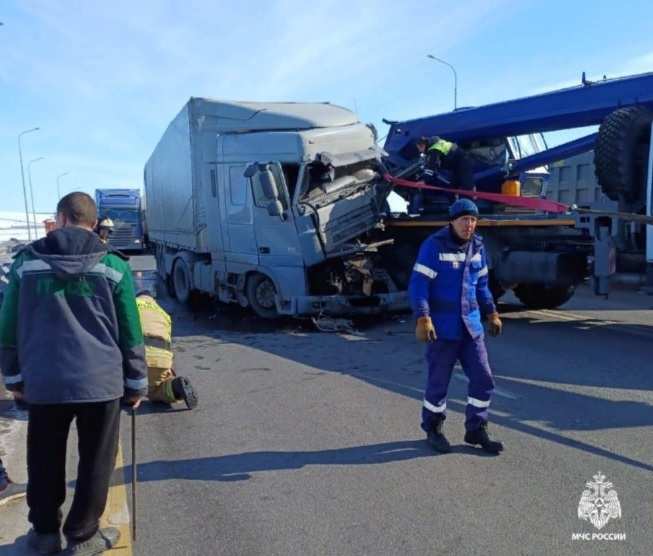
[
  {"x": 276, "y": 235},
  {"x": 215, "y": 221},
  {"x": 239, "y": 216}
]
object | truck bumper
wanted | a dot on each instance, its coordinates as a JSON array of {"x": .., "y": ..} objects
[{"x": 346, "y": 305}]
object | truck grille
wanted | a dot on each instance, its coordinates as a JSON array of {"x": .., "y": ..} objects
[{"x": 123, "y": 236}]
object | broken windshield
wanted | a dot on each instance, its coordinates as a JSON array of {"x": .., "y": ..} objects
[{"x": 323, "y": 179}]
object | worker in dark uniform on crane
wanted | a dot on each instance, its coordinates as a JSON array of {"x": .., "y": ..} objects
[
  {"x": 445, "y": 155},
  {"x": 440, "y": 154}
]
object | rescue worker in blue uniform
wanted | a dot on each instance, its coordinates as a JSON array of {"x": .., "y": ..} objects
[{"x": 449, "y": 292}]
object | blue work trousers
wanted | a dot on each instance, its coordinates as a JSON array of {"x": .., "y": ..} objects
[{"x": 441, "y": 357}]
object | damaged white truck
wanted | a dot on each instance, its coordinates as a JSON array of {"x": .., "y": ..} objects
[{"x": 276, "y": 206}]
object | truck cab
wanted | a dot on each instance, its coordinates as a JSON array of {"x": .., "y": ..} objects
[
  {"x": 123, "y": 207},
  {"x": 286, "y": 214}
]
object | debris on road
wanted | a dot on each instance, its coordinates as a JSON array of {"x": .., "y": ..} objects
[{"x": 329, "y": 324}]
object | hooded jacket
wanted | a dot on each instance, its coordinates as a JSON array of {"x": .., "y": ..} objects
[{"x": 69, "y": 326}]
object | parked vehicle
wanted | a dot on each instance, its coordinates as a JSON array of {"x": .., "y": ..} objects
[{"x": 124, "y": 208}]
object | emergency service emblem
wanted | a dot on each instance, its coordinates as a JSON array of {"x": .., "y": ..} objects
[{"x": 599, "y": 503}]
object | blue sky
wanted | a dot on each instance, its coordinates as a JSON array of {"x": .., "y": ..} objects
[{"x": 103, "y": 79}]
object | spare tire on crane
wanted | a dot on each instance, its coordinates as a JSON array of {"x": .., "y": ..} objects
[{"x": 621, "y": 155}]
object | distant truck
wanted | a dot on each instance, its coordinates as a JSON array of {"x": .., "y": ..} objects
[
  {"x": 276, "y": 206},
  {"x": 125, "y": 208}
]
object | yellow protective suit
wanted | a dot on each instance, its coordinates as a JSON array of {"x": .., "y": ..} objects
[{"x": 157, "y": 329}]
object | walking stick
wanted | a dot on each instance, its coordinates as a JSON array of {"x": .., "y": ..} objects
[{"x": 134, "y": 474}]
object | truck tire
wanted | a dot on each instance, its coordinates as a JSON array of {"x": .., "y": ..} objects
[
  {"x": 260, "y": 292},
  {"x": 621, "y": 153},
  {"x": 181, "y": 281},
  {"x": 543, "y": 296}
]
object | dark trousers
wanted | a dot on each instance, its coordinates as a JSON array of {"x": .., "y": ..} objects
[
  {"x": 98, "y": 426},
  {"x": 441, "y": 357},
  {"x": 462, "y": 171}
]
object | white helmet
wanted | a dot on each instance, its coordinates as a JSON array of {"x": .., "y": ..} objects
[{"x": 106, "y": 223}]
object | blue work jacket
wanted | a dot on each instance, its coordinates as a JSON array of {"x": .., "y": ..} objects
[{"x": 449, "y": 283}]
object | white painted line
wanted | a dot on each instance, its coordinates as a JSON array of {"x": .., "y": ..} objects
[{"x": 594, "y": 322}]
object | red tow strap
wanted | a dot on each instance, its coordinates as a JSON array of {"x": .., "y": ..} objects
[{"x": 534, "y": 203}]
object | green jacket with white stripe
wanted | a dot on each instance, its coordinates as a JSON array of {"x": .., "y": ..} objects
[{"x": 69, "y": 325}]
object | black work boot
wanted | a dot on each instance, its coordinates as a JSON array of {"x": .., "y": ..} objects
[
  {"x": 183, "y": 390},
  {"x": 480, "y": 438},
  {"x": 103, "y": 539},
  {"x": 436, "y": 439},
  {"x": 44, "y": 543}
]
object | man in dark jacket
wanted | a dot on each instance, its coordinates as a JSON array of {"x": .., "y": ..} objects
[
  {"x": 444, "y": 154},
  {"x": 71, "y": 345}
]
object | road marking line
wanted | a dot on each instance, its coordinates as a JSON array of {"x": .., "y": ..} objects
[
  {"x": 116, "y": 513},
  {"x": 594, "y": 322}
]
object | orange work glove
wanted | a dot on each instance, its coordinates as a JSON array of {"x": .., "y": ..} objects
[
  {"x": 425, "y": 332},
  {"x": 494, "y": 324}
]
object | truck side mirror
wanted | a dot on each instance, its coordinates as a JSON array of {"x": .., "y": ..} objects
[
  {"x": 266, "y": 178},
  {"x": 269, "y": 184},
  {"x": 275, "y": 208}
]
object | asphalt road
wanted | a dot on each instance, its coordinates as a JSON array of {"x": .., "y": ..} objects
[{"x": 309, "y": 443}]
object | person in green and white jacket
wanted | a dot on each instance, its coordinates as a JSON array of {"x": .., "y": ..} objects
[{"x": 71, "y": 347}]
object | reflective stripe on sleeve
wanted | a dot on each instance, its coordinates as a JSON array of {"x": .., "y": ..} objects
[
  {"x": 425, "y": 270},
  {"x": 111, "y": 273}
]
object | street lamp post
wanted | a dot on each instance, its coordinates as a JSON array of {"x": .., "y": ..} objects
[
  {"x": 58, "y": 185},
  {"x": 22, "y": 177},
  {"x": 31, "y": 190},
  {"x": 455, "y": 78}
]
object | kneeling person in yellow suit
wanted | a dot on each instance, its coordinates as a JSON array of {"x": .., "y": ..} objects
[{"x": 164, "y": 385}]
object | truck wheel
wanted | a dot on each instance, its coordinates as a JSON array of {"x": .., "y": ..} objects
[
  {"x": 181, "y": 281},
  {"x": 621, "y": 153},
  {"x": 260, "y": 293},
  {"x": 543, "y": 296}
]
